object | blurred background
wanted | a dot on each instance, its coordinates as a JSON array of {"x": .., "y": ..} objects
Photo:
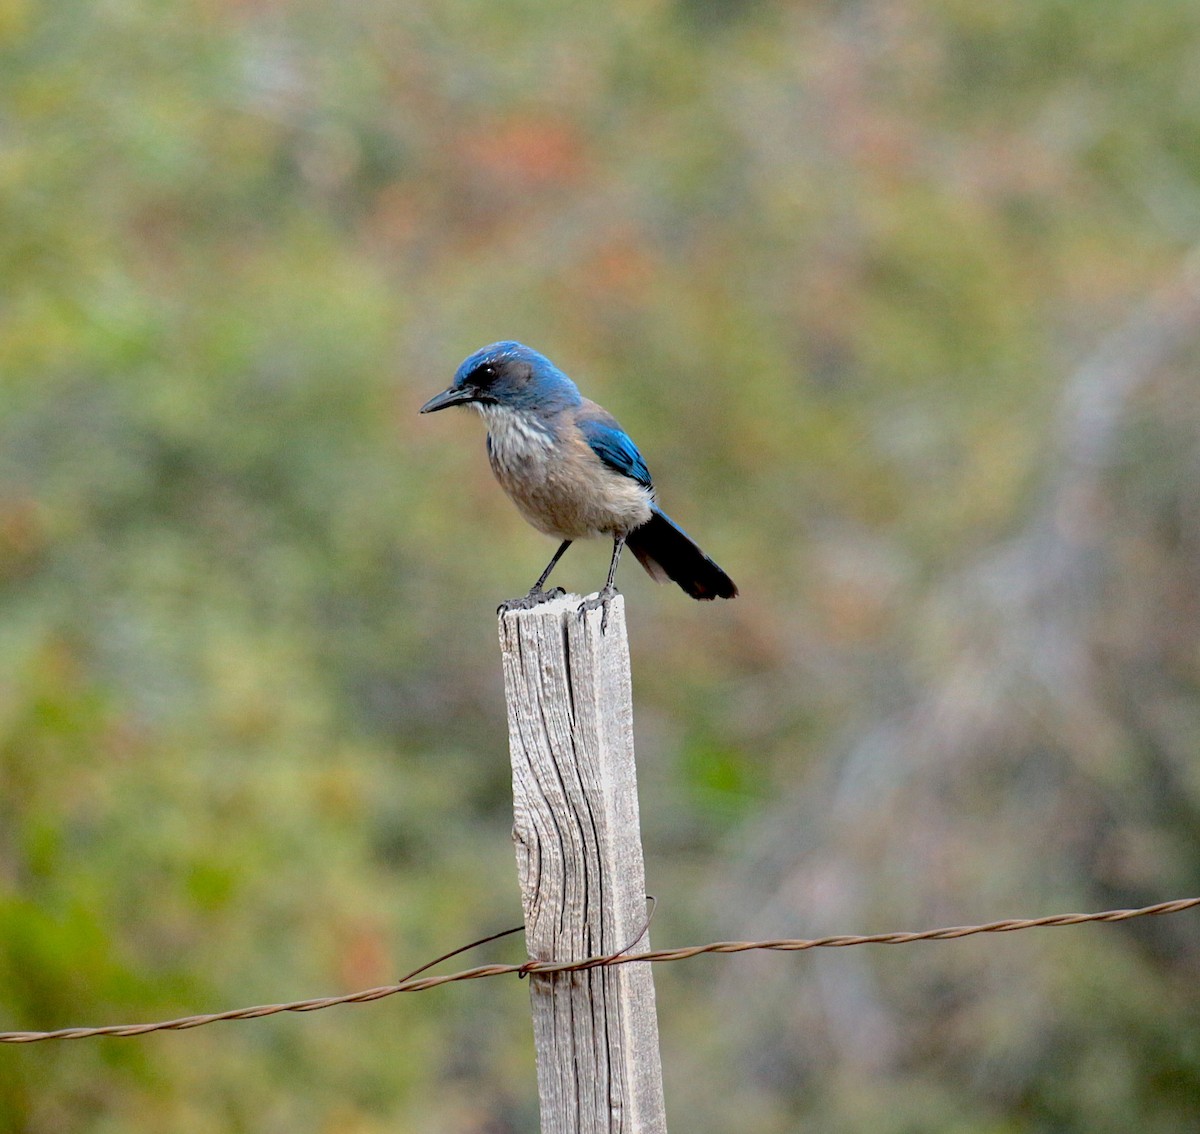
[{"x": 901, "y": 299}]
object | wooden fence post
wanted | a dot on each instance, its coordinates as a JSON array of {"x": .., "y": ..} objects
[{"x": 579, "y": 857}]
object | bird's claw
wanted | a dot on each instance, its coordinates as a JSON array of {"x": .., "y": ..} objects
[
  {"x": 529, "y": 601},
  {"x": 601, "y": 600}
]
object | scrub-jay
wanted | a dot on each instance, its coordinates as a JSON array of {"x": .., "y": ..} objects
[{"x": 573, "y": 472}]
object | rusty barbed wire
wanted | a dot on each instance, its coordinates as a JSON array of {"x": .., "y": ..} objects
[{"x": 413, "y": 983}]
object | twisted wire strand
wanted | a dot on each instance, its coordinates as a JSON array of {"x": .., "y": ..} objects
[{"x": 551, "y": 968}]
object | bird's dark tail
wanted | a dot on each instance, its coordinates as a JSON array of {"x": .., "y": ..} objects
[{"x": 669, "y": 554}]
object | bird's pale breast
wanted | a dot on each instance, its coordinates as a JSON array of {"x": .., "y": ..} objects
[{"x": 560, "y": 486}]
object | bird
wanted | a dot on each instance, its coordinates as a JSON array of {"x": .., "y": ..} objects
[{"x": 573, "y": 473}]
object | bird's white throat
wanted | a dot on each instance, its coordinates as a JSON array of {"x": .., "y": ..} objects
[{"x": 514, "y": 436}]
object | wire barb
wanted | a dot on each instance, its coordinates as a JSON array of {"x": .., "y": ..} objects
[
  {"x": 414, "y": 983},
  {"x": 531, "y": 966}
]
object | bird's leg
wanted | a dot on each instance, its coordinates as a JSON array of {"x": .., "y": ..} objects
[
  {"x": 536, "y": 595},
  {"x": 605, "y": 596},
  {"x": 536, "y": 589}
]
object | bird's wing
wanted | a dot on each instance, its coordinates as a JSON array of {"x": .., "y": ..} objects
[{"x": 614, "y": 446}]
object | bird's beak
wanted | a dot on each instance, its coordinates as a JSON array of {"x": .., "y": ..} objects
[{"x": 455, "y": 396}]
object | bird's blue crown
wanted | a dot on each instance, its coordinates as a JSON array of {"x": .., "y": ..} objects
[{"x": 512, "y": 374}]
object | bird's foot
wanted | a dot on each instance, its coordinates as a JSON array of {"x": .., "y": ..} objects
[
  {"x": 601, "y": 600},
  {"x": 529, "y": 601}
]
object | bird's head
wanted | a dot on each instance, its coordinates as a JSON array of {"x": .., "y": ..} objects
[{"x": 511, "y": 375}]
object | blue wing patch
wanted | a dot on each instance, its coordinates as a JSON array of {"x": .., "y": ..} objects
[{"x": 615, "y": 448}]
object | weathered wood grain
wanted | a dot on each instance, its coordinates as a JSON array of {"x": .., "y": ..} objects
[{"x": 579, "y": 858}]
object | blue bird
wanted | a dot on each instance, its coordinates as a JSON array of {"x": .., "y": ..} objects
[{"x": 573, "y": 472}]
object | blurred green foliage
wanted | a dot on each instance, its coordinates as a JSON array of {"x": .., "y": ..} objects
[{"x": 832, "y": 265}]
